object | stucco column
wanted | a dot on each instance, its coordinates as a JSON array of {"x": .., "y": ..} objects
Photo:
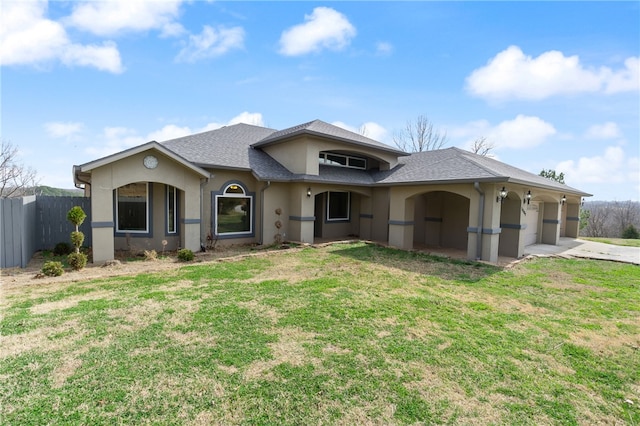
[
  {"x": 102, "y": 220},
  {"x": 192, "y": 219},
  {"x": 490, "y": 227},
  {"x": 551, "y": 223},
  {"x": 572, "y": 225},
  {"x": 302, "y": 216},
  {"x": 401, "y": 211},
  {"x": 366, "y": 217}
]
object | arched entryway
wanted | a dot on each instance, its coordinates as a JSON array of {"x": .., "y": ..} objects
[{"x": 441, "y": 219}]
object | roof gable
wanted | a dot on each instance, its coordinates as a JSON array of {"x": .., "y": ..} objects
[{"x": 326, "y": 130}]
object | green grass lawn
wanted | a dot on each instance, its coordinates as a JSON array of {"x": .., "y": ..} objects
[
  {"x": 346, "y": 334},
  {"x": 628, "y": 242}
]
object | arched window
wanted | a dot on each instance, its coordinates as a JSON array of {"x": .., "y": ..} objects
[{"x": 233, "y": 211}]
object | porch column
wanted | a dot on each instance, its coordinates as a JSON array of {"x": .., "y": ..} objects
[
  {"x": 572, "y": 225},
  {"x": 551, "y": 223},
  {"x": 490, "y": 227},
  {"x": 366, "y": 218},
  {"x": 302, "y": 215},
  {"x": 102, "y": 220},
  {"x": 192, "y": 220},
  {"x": 401, "y": 212}
]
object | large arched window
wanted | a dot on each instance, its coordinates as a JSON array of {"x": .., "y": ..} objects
[{"x": 233, "y": 211}]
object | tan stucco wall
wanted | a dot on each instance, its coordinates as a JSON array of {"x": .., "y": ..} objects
[
  {"x": 300, "y": 155},
  {"x": 105, "y": 179}
]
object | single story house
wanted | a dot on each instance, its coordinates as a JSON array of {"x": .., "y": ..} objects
[{"x": 244, "y": 184}]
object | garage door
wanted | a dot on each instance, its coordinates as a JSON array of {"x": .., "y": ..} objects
[{"x": 531, "y": 220}]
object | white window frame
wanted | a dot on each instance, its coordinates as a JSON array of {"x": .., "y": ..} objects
[
  {"x": 169, "y": 199},
  {"x": 224, "y": 194},
  {"x": 147, "y": 219},
  {"x": 338, "y": 219},
  {"x": 322, "y": 158}
]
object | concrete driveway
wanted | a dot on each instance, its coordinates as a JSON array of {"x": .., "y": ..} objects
[{"x": 572, "y": 247}]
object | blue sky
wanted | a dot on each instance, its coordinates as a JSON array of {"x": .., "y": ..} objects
[{"x": 551, "y": 85}]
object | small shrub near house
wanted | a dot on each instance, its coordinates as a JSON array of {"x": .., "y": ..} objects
[
  {"x": 62, "y": 249},
  {"x": 185, "y": 255},
  {"x": 52, "y": 268},
  {"x": 77, "y": 260}
]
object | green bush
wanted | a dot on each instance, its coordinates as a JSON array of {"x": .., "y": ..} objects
[
  {"x": 77, "y": 238},
  {"x": 52, "y": 268},
  {"x": 77, "y": 260},
  {"x": 62, "y": 249},
  {"x": 76, "y": 215},
  {"x": 185, "y": 255},
  {"x": 631, "y": 233}
]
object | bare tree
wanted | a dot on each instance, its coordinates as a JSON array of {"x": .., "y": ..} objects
[
  {"x": 625, "y": 213},
  {"x": 16, "y": 180},
  {"x": 482, "y": 146},
  {"x": 419, "y": 135},
  {"x": 597, "y": 221}
]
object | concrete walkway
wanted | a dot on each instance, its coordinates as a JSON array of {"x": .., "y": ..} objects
[{"x": 572, "y": 247}]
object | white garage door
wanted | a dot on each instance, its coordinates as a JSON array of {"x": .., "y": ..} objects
[{"x": 531, "y": 220}]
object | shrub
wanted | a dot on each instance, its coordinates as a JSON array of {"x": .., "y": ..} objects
[
  {"x": 62, "y": 249},
  {"x": 52, "y": 268},
  {"x": 77, "y": 260},
  {"x": 77, "y": 238},
  {"x": 150, "y": 255},
  {"x": 185, "y": 255},
  {"x": 631, "y": 233},
  {"x": 76, "y": 215}
]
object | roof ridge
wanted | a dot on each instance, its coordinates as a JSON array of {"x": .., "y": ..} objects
[{"x": 467, "y": 156}]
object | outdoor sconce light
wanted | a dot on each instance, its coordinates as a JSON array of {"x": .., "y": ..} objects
[
  {"x": 501, "y": 195},
  {"x": 563, "y": 199},
  {"x": 309, "y": 192},
  {"x": 582, "y": 203},
  {"x": 527, "y": 197}
]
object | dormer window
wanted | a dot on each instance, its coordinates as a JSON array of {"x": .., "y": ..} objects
[{"x": 341, "y": 160}]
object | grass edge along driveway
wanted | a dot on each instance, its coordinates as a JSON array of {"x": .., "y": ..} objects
[{"x": 345, "y": 334}]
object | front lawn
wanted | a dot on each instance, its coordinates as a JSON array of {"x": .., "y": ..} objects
[
  {"x": 627, "y": 242},
  {"x": 345, "y": 334}
]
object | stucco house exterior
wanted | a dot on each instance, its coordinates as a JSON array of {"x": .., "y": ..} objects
[{"x": 245, "y": 184}]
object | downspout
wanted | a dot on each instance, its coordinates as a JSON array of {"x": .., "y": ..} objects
[
  {"x": 264, "y": 188},
  {"x": 476, "y": 185}
]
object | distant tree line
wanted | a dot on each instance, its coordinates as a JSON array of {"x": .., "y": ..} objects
[{"x": 613, "y": 219}]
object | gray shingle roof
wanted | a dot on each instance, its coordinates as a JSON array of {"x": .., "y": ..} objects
[
  {"x": 238, "y": 147},
  {"x": 326, "y": 130}
]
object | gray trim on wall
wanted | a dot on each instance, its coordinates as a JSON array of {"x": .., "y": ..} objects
[
  {"x": 303, "y": 218},
  {"x": 490, "y": 231},
  {"x": 401, "y": 222},
  {"x": 513, "y": 226},
  {"x": 191, "y": 221},
  {"x": 366, "y": 216},
  {"x": 573, "y": 218},
  {"x": 103, "y": 224},
  {"x": 553, "y": 221}
]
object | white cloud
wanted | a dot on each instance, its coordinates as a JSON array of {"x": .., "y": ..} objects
[
  {"x": 613, "y": 167},
  {"x": 107, "y": 18},
  {"x": 325, "y": 28},
  {"x": 384, "y": 48},
  {"x": 608, "y": 130},
  {"x": 28, "y": 38},
  {"x": 115, "y": 139},
  {"x": 57, "y": 129},
  {"x": 211, "y": 43},
  {"x": 519, "y": 133},
  {"x": 513, "y": 75},
  {"x": 370, "y": 129}
]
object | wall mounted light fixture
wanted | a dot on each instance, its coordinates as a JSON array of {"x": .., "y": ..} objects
[
  {"x": 309, "y": 192},
  {"x": 527, "y": 197},
  {"x": 563, "y": 199},
  {"x": 501, "y": 195}
]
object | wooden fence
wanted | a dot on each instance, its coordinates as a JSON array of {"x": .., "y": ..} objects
[{"x": 36, "y": 223}]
